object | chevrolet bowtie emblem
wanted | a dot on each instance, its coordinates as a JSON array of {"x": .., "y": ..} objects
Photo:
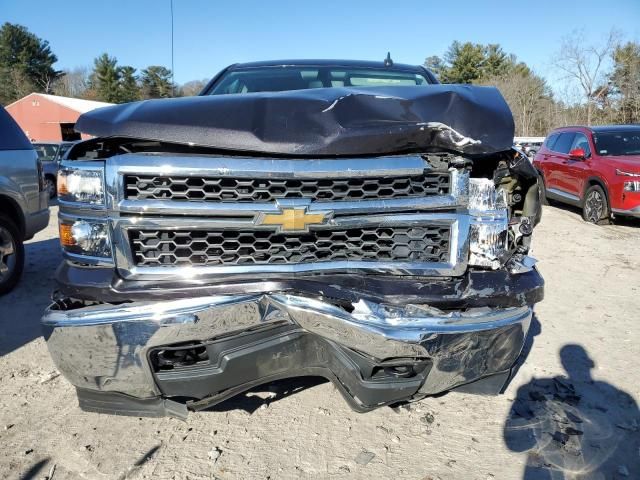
[{"x": 293, "y": 219}]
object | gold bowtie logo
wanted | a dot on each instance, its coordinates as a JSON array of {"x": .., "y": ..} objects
[{"x": 293, "y": 219}]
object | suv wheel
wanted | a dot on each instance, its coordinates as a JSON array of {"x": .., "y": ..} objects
[
  {"x": 11, "y": 254},
  {"x": 596, "y": 207},
  {"x": 50, "y": 186}
]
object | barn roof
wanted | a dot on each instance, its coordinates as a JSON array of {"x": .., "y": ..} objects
[{"x": 77, "y": 104}]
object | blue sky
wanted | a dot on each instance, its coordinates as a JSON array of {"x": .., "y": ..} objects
[{"x": 212, "y": 34}]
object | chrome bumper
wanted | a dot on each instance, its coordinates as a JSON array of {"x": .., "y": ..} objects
[{"x": 106, "y": 347}]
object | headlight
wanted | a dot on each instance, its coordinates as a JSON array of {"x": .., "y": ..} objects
[
  {"x": 632, "y": 186},
  {"x": 85, "y": 237},
  {"x": 490, "y": 224},
  {"x": 488, "y": 244},
  {"x": 81, "y": 185}
]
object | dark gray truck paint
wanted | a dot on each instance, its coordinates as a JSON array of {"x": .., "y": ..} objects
[{"x": 320, "y": 122}]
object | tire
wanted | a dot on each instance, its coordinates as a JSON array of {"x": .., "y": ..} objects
[
  {"x": 595, "y": 208},
  {"x": 11, "y": 254},
  {"x": 50, "y": 186}
]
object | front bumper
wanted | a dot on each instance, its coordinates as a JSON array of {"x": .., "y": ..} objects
[
  {"x": 130, "y": 358},
  {"x": 632, "y": 212}
]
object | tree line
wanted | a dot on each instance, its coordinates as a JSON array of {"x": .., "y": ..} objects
[
  {"x": 27, "y": 65},
  {"x": 597, "y": 83}
]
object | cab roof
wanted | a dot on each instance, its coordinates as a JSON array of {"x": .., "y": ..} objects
[{"x": 329, "y": 63}]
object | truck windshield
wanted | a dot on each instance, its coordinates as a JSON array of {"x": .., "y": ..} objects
[
  {"x": 618, "y": 143},
  {"x": 276, "y": 79}
]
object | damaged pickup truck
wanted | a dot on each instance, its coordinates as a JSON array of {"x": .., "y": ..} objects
[{"x": 356, "y": 221}]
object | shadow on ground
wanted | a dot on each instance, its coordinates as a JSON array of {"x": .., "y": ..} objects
[
  {"x": 21, "y": 309},
  {"x": 575, "y": 427},
  {"x": 253, "y": 399},
  {"x": 36, "y": 470},
  {"x": 619, "y": 220}
]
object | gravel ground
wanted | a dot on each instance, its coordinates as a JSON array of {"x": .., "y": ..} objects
[{"x": 571, "y": 411}]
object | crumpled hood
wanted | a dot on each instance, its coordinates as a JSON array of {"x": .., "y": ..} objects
[{"x": 325, "y": 121}]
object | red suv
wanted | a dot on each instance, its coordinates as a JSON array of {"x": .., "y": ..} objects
[{"x": 594, "y": 168}]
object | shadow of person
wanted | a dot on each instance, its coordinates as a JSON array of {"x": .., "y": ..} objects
[{"x": 575, "y": 427}]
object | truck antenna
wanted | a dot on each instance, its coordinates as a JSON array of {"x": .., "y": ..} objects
[{"x": 173, "y": 83}]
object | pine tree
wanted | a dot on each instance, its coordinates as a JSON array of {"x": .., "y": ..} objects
[
  {"x": 156, "y": 82},
  {"x": 129, "y": 89},
  {"x": 26, "y": 63},
  {"x": 470, "y": 62},
  {"x": 105, "y": 79}
]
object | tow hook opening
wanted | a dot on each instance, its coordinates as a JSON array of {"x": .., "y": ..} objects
[
  {"x": 66, "y": 304},
  {"x": 180, "y": 356}
]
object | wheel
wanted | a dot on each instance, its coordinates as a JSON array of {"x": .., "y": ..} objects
[
  {"x": 596, "y": 207},
  {"x": 50, "y": 186},
  {"x": 11, "y": 254}
]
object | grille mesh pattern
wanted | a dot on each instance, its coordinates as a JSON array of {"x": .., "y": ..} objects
[
  {"x": 264, "y": 247},
  {"x": 141, "y": 187}
]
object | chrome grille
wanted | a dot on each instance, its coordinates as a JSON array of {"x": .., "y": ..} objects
[
  {"x": 401, "y": 214},
  {"x": 266, "y": 247},
  {"x": 227, "y": 189}
]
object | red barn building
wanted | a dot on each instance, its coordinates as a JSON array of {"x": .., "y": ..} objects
[{"x": 50, "y": 117}]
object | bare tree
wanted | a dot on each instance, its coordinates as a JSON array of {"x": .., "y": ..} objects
[
  {"x": 20, "y": 82},
  {"x": 585, "y": 65},
  {"x": 194, "y": 87},
  {"x": 527, "y": 95},
  {"x": 625, "y": 82},
  {"x": 73, "y": 83}
]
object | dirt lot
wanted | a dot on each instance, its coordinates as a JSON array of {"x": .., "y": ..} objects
[{"x": 571, "y": 412}]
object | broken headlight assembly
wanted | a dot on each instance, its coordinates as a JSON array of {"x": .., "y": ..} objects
[
  {"x": 83, "y": 185},
  {"x": 489, "y": 227}
]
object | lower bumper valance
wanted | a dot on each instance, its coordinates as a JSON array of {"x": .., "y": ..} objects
[{"x": 207, "y": 349}]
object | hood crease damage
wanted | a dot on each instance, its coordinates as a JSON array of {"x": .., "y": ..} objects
[{"x": 471, "y": 120}]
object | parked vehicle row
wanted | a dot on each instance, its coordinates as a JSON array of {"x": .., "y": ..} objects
[
  {"x": 50, "y": 154},
  {"x": 529, "y": 145}
]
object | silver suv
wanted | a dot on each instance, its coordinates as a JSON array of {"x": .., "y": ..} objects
[{"x": 24, "y": 208}]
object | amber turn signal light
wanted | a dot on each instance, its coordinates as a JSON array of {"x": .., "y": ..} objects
[
  {"x": 62, "y": 185},
  {"x": 66, "y": 237}
]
